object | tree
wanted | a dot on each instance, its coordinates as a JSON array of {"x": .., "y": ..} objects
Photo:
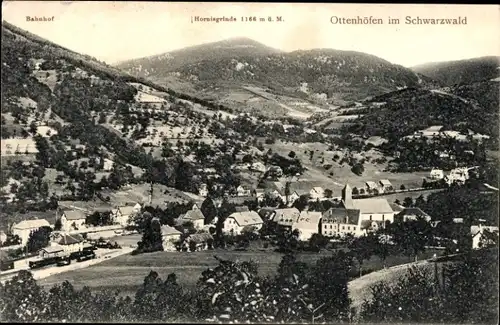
[
  {"x": 292, "y": 154},
  {"x": 328, "y": 193},
  {"x": 301, "y": 203},
  {"x": 358, "y": 169},
  {"x": 402, "y": 187},
  {"x": 317, "y": 242},
  {"x": 464, "y": 292},
  {"x": 151, "y": 237},
  {"x": 411, "y": 236},
  {"x": 38, "y": 239},
  {"x": 22, "y": 299},
  {"x": 209, "y": 210},
  {"x": 362, "y": 248},
  {"x": 408, "y": 202}
]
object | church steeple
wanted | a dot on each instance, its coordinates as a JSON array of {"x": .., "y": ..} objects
[{"x": 347, "y": 197}]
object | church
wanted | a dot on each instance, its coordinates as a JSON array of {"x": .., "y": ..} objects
[{"x": 372, "y": 209}]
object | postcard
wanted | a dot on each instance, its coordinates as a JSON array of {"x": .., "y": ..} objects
[{"x": 203, "y": 162}]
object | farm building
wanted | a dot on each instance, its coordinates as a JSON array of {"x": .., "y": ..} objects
[
  {"x": 24, "y": 228},
  {"x": 386, "y": 185},
  {"x": 436, "y": 174}
]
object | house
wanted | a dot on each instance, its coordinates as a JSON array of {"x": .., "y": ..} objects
[
  {"x": 195, "y": 216},
  {"x": 237, "y": 221},
  {"x": 317, "y": 193},
  {"x": 11, "y": 147},
  {"x": 170, "y": 236},
  {"x": 24, "y": 228},
  {"x": 386, "y": 185},
  {"x": 72, "y": 220},
  {"x": 68, "y": 243},
  {"x": 294, "y": 196},
  {"x": 259, "y": 194},
  {"x": 123, "y": 215},
  {"x": 411, "y": 214},
  {"x": 484, "y": 236},
  {"x": 372, "y": 209},
  {"x": 341, "y": 221},
  {"x": 307, "y": 224},
  {"x": 3, "y": 237},
  {"x": 286, "y": 217},
  {"x": 242, "y": 191},
  {"x": 200, "y": 240},
  {"x": 371, "y": 186},
  {"x": 108, "y": 165},
  {"x": 372, "y": 225},
  {"x": 457, "y": 175},
  {"x": 203, "y": 190},
  {"x": 257, "y": 167},
  {"x": 436, "y": 174}
]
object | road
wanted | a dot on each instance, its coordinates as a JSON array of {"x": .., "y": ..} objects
[{"x": 102, "y": 255}]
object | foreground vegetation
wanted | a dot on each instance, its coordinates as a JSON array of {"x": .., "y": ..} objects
[{"x": 234, "y": 291}]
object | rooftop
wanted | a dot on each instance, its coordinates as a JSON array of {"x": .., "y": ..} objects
[{"x": 246, "y": 218}]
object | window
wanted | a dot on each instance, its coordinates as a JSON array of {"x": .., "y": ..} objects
[
  {"x": 370, "y": 218},
  {"x": 331, "y": 226},
  {"x": 343, "y": 227},
  {"x": 383, "y": 216},
  {"x": 348, "y": 228},
  {"x": 354, "y": 228},
  {"x": 325, "y": 226}
]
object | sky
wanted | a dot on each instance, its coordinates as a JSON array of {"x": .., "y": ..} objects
[{"x": 117, "y": 31}]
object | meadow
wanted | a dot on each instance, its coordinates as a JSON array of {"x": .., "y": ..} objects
[{"x": 126, "y": 273}]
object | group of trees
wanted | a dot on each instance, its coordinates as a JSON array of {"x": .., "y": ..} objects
[{"x": 297, "y": 292}]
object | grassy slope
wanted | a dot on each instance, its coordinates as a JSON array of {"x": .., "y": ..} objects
[{"x": 127, "y": 272}]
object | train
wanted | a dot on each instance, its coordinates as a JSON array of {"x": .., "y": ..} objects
[{"x": 86, "y": 254}]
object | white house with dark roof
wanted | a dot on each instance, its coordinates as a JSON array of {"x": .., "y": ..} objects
[
  {"x": 72, "y": 220},
  {"x": 307, "y": 224},
  {"x": 340, "y": 222},
  {"x": 124, "y": 214},
  {"x": 238, "y": 221},
  {"x": 411, "y": 214},
  {"x": 372, "y": 209},
  {"x": 24, "y": 228},
  {"x": 68, "y": 243},
  {"x": 195, "y": 216}
]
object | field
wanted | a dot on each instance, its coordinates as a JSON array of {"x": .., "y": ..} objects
[
  {"x": 336, "y": 176},
  {"x": 125, "y": 273}
]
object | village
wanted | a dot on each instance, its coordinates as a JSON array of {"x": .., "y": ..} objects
[{"x": 357, "y": 212}]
